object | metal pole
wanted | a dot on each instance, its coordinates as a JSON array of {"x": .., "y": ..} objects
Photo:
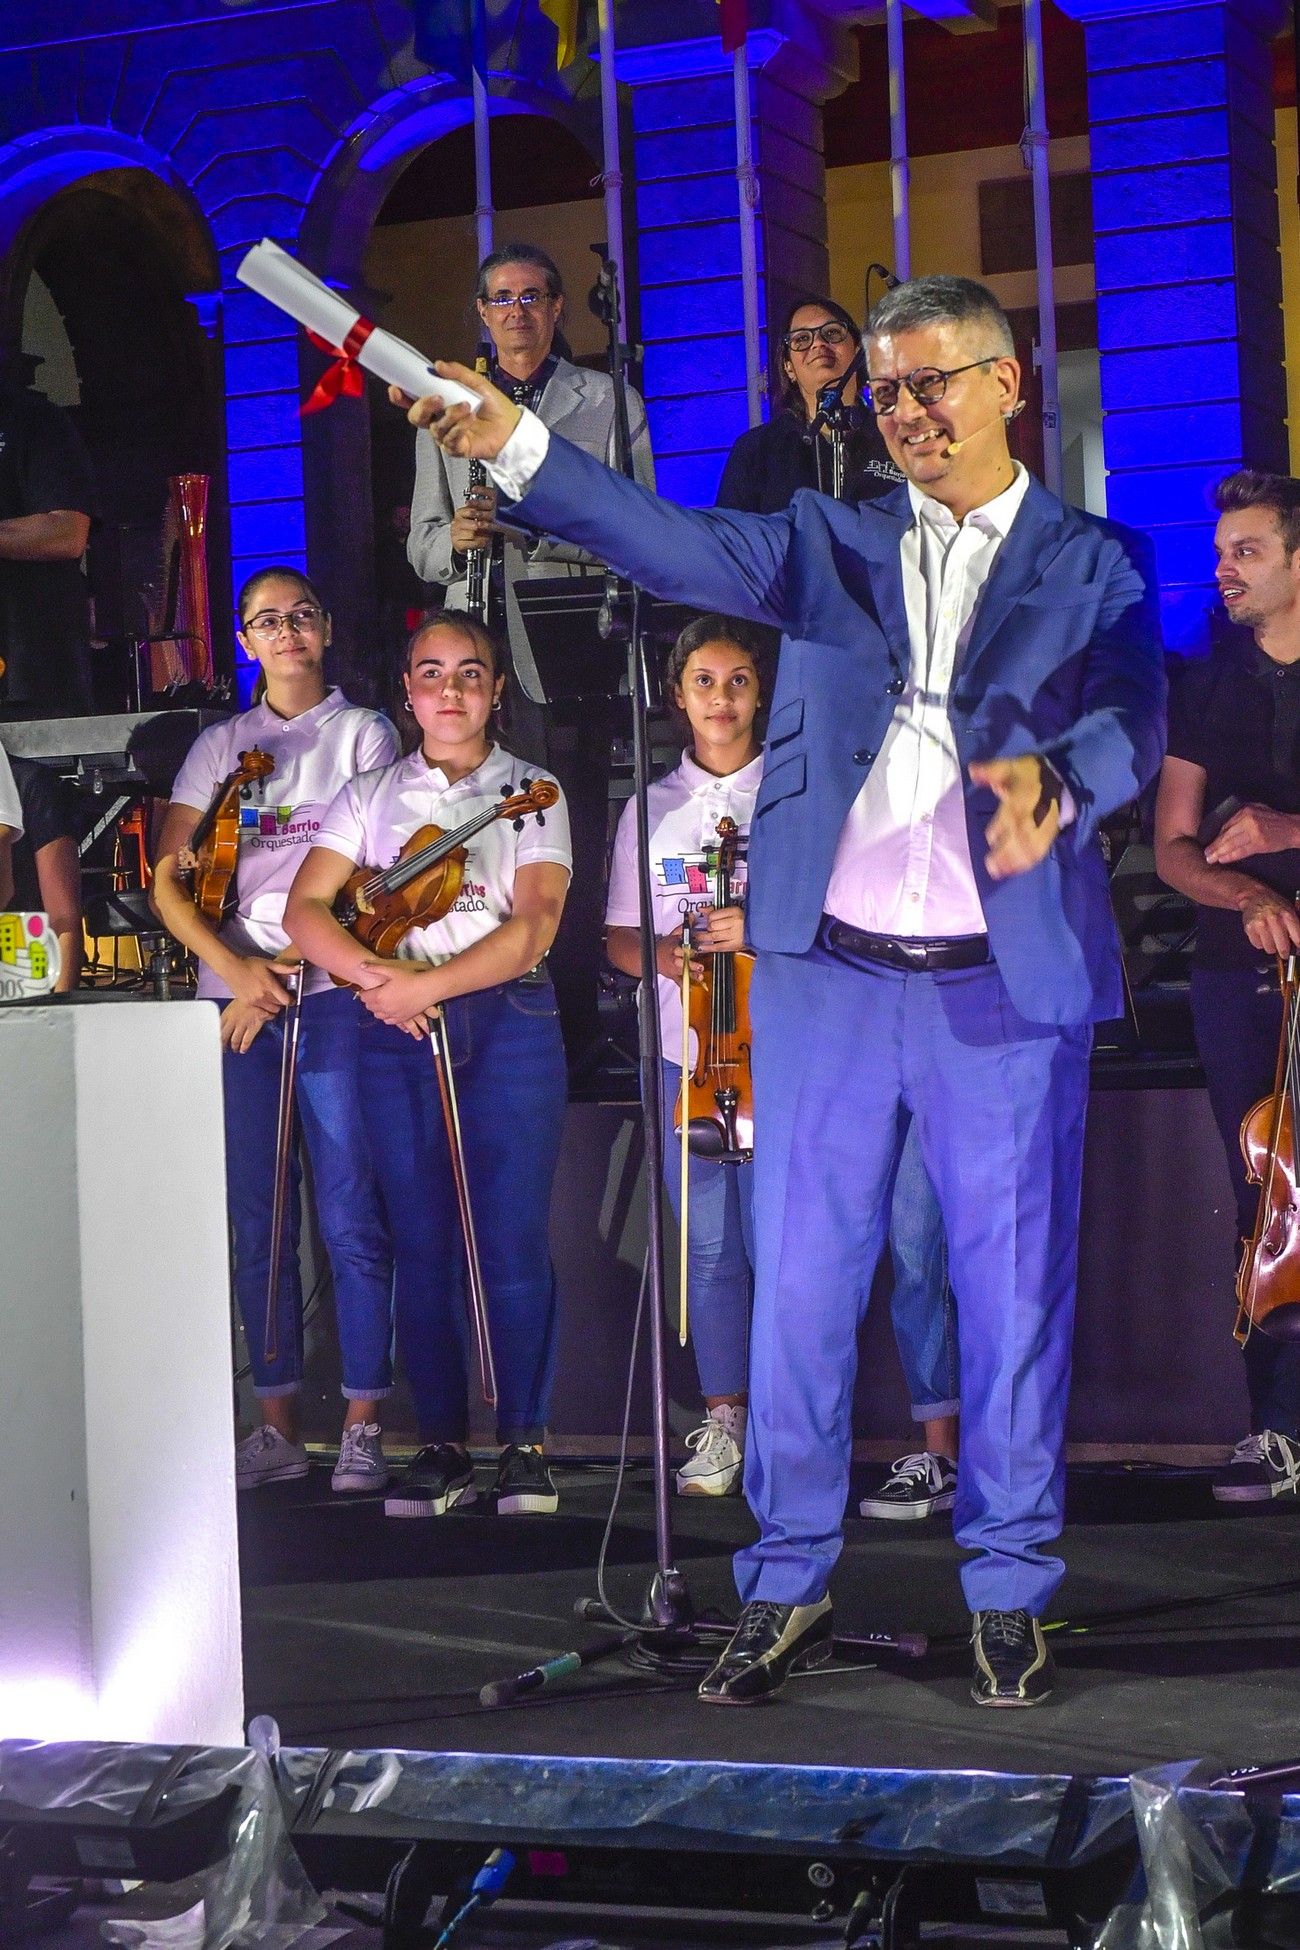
[
  {"x": 747, "y": 182},
  {"x": 1033, "y": 148},
  {"x": 611, "y": 173},
  {"x": 900, "y": 172},
  {"x": 483, "y": 211}
]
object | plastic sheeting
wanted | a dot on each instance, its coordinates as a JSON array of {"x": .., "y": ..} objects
[
  {"x": 258, "y": 1895},
  {"x": 1201, "y": 1847},
  {"x": 1018, "y": 1821}
]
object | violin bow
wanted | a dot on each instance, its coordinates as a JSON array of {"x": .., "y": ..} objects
[
  {"x": 686, "y": 1127},
  {"x": 440, "y": 1044},
  {"x": 284, "y": 1129}
]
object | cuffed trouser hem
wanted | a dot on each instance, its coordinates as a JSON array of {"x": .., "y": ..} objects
[
  {"x": 366, "y": 1394},
  {"x": 275, "y": 1391},
  {"x": 934, "y": 1411}
]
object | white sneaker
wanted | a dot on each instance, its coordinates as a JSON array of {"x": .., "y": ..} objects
[
  {"x": 361, "y": 1465},
  {"x": 266, "y": 1456},
  {"x": 718, "y": 1461},
  {"x": 917, "y": 1486}
]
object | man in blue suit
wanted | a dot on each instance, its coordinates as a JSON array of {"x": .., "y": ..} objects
[{"x": 970, "y": 679}]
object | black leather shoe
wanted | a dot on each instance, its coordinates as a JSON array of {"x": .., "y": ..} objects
[
  {"x": 769, "y": 1641},
  {"x": 1013, "y": 1666}
]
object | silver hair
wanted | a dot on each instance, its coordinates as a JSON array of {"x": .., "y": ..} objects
[{"x": 942, "y": 300}]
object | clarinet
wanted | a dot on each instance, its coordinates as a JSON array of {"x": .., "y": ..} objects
[{"x": 478, "y": 560}]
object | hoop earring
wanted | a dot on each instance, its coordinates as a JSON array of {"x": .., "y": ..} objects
[{"x": 408, "y": 707}]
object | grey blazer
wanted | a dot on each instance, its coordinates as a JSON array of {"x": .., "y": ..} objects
[{"x": 577, "y": 403}]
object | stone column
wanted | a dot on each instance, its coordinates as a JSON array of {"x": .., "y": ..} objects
[
  {"x": 1189, "y": 282},
  {"x": 688, "y": 226}
]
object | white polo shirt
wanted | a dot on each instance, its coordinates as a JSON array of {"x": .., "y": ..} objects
[
  {"x": 374, "y": 815},
  {"x": 684, "y": 808},
  {"x": 11, "y": 806},
  {"x": 314, "y": 754}
]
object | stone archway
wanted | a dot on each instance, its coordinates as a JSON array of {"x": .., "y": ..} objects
[{"x": 342, "y": 447}]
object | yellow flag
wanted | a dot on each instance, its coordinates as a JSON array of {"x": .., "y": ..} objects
[{"x": 564, "y": 13}]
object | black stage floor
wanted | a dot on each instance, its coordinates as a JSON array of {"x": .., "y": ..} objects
[{"x": 366, "y": 1632}]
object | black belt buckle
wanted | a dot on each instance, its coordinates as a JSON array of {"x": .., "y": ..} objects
[{"x": 897, "y": 951}]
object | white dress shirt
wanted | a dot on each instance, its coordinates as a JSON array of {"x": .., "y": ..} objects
[{"x": 903, "y": 864}]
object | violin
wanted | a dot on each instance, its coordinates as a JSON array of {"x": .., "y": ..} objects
[
  {"x": 380, "y": 906},
  {"x": 208, "y": 863},
  {"x": 716, "y": 1098},
  {"x": 1268, "y": 1279}
]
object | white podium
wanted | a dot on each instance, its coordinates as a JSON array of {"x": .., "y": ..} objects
[{"x": 119, "y": 1586}]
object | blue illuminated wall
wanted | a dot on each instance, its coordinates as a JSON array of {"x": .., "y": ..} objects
[
  {"x": 688, "y": 230},
  {"x": 1189, "y": 284}
]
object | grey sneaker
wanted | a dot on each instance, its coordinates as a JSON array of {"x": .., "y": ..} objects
[
  {"x": 716, "y": 1464},
  {"x": 266, "y": 1456},
  {"x": 361, "y": 1465}
]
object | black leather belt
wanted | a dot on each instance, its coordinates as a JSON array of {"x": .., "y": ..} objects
[{"x": 856, "y": 946}]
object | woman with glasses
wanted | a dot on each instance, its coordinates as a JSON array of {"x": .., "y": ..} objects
[
  {"x": 766, "y": 468},
  {"x": 768, "y": 464},
  {"x": 318, "y": 741}
]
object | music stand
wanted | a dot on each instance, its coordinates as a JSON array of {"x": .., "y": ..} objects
[{"x": 562, "y": 617}]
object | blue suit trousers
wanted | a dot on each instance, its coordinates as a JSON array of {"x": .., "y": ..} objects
[{"x": 841, "y": 1056}]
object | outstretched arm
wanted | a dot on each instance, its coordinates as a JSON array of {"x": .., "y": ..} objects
[{"x": 709, "y": 558}]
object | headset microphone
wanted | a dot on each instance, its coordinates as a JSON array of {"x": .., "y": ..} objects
[{"x": 955, "y": 446}]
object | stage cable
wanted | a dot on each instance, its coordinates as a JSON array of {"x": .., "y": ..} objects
[{"x": 630, "y": 1624}]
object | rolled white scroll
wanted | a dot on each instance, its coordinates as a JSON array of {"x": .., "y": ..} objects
[{"x": 290, "y": 286}]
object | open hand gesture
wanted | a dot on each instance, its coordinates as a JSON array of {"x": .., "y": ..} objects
[{"x": 1028, "y": 817}]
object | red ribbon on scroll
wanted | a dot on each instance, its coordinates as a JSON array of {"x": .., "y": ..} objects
[{"x": 345, "y": 375}]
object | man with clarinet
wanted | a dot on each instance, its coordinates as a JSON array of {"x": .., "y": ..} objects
[{"x": 970, "y": 680}]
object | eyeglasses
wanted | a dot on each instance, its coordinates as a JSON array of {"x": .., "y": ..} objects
[
  {"x": 829, "y": 334},
  {"x": 505, "y": 300},
  {"x": 270, "y": 622},
  {"x": 927, "y": 385}
]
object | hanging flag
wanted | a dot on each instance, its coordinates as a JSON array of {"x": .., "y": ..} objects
[
  {"x": 735, "y": 24},
  {"x": 564, "y": 14}
]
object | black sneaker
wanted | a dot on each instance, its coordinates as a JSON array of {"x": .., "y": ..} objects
[
  {"x": 1262, "y": 1467},
  {"x": 436, "y": 1480},
  {"x": 917, "y": 1486},
  {"x": 1013, "y": 1666},
  {"x": 769, "y": 1641},
  {"x": 523, "y": 1486}
]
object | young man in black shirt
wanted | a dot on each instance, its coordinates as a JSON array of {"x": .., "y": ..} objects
[
  {"x": 1228, "y": 836},
  {"x": 47, "y": 501}
]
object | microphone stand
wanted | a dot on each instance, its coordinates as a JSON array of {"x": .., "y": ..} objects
[
  {"x": 669, "y": 1638},
  {"x": 832, "y": 414}
]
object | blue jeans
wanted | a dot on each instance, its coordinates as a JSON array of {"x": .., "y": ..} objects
[
  {"x": 1237, "y": 1015},
  {"x": 999, "y": 1103},
  {"x": 720, "y": 1255},
  {"x": 511, "y": 1085},
  {"x": 922, "y": 1307},
  {"x": 347, "y": 1199}
]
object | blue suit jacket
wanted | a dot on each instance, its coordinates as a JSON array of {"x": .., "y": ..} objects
[{"x": 1064, "y": 659}]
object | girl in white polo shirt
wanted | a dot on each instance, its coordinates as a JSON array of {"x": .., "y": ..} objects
[
  {"x": 317, "y": 740},
  {"x": 481, "y": 965},
  {"x": 713, "y": 677}
]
